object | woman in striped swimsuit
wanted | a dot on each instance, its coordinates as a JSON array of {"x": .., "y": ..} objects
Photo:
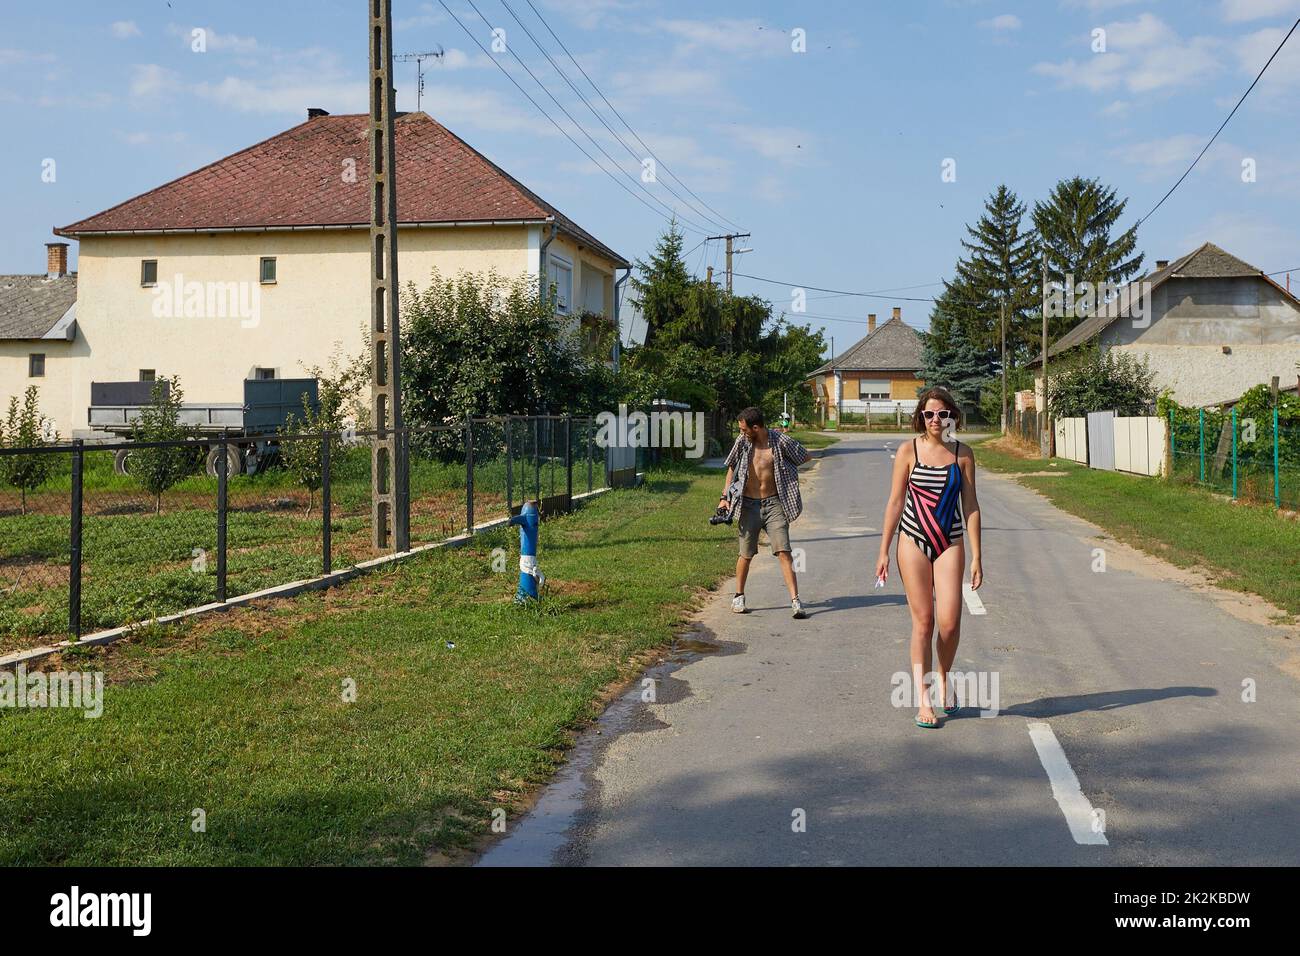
[{"x": 933, "y": 487}]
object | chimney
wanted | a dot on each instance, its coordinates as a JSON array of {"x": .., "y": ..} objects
[
  {"x": 871, "y": 323},
  {"x": 56, "y": 260},
  {"x": 1162, "y": 264},
  {"x": 315, "y": 111},
  {"x": 898, "y": 314}
]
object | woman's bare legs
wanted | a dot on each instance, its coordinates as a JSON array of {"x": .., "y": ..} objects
[
  {"x": 947, "y": 572},
  {"x": 915, "y": 569}
]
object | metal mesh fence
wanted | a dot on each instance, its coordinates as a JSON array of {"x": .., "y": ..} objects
[
  {"x": 1252, "y": 458},
  {"x": 148, "y": 529}
]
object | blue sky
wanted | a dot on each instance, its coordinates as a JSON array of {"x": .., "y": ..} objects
[{"x": 831, "y": 157}]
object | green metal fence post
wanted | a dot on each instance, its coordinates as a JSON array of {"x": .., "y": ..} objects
[
  {"x": 1277, "y": 474},
  {"x": 1173, "y": 450},
  {"x": 1202, "y": 445},
  {"x": 1234, "y": 453}
]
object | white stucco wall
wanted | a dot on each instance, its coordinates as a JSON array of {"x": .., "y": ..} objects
[{"x": 1201, "y": 374}]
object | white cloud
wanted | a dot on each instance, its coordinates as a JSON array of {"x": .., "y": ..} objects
[
  {"x": 1002, "y": 23},
  {"x": 124, "y": 29},
  {"x": 1144, "y": 55},
  {"x": 11, "y": 56},
  {"x": 1238, "y": 11},
  {"x": 784, "y": 144},
  {"x": 727, "y": 36},
  {"x": 284, "y": 94},
  {"x": 149, "y": 80},
  {"x": 1253, "y": 50}
]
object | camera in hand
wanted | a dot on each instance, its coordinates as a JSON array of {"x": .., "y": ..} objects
[{"x": 721, "y": 516}]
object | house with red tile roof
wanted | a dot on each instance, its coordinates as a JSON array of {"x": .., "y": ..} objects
[{"x": 257, "y": 265}]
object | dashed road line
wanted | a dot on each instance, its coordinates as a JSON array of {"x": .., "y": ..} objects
[{"x": 1086, "y": 824}]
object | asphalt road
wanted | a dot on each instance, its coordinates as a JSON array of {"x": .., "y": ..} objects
[{"x": 1121, "y": 736}]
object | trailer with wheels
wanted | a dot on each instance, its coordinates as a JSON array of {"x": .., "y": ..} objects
[{"x": 115, "y": 408}]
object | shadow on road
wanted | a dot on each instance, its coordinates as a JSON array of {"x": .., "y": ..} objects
[{"x": 1107, "y": 700}]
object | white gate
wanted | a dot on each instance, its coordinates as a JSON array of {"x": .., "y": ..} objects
[{"x": 1101, "y": 440}]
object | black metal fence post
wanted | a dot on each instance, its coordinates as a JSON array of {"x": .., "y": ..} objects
[
  {"x": 325, "y": 557},
  {"x": 74, "y": 555},
  {"x": 537, "y": 459},
  {"x": 591, "y": 452},
  {"x": 568, "y": 459},
  {"x": 510, "y": 468},
  {"x": 469, "y": 475},
  {"x": 223, "y": 464}
]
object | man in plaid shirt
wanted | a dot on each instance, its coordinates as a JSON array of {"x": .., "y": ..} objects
[{"x": 763, "y": 486}]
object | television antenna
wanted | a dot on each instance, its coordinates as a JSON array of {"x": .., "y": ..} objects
[{"x": 419, "y": 59}]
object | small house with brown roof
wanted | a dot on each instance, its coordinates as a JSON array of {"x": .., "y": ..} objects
[
  {"x": 257, "y": 265},
  {"x": 878, "y": 374},
  {"x": 1209, "y": 326},
  {"x": 38, "y": 329}
]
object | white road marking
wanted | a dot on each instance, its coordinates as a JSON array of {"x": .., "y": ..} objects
[
  {"x": 973, "y": 602},
  {"x": 1079, "y": 814}
]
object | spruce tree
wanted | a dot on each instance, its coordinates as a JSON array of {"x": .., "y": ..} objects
[
  {"x": 1074, "y": 228},
  {"x": 663, "y": 288}
]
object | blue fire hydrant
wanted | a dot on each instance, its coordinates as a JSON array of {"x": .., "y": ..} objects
[{"x": 530, "y": 575}]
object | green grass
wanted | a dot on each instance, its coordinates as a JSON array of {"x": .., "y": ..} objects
[
  {"x": 242, "y": 714},
  {"x": 1244, "y": 547},
  {"x": 138, "y": 564},
  {"x": 811, "y": 439}
]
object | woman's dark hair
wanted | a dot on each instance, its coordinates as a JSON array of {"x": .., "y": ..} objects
[
  {"x": 939, "y": 393},
  {"x": 752, "y": 417}
]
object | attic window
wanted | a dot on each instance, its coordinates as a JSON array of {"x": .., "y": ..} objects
[
  {"x": 36, "y": 365},
  {"x": 560, "y": 275},
  {"x": 268, "y": 270},
  {"x": 148, "y": 272}
]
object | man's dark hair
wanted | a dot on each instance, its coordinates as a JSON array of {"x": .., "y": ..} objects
[{"x": 752, "y": 417}]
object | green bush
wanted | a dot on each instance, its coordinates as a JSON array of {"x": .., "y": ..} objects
[
  {"x": 157, "y": 469},
  {"x": 26, "y": 427},
  {"x": 1113, "y": 381}
]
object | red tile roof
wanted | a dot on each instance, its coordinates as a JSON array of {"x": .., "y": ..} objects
[{"x": 296, "y": 179}]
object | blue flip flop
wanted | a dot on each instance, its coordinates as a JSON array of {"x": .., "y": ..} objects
[{"x": 928, "y": 726}]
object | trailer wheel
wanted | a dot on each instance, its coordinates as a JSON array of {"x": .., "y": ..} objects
[
  {"x": 121, "y": 461},
  {"x": 234, "y": 461}
]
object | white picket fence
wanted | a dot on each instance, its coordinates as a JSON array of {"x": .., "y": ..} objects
[{"x": 1107, "y": 441}]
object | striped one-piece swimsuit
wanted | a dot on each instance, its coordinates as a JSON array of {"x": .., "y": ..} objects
[{"x": 931, "y": 512}]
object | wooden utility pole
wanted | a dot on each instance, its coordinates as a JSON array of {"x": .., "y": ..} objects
[
  {"x": 390, "y": 501},
  {"x": 1044, "y": 437},
  {"x": 1004, "y": 365},
  {"x": 731, "y": 237}
]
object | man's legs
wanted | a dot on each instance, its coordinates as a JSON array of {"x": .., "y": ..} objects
[
  {"x": 742, "y": 572},
  {"x": 787, "y": 570}
]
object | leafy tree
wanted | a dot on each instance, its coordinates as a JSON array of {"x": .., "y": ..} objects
[
  {"x": 480, "y": 344},
  {"x": 302, "y": 456},
  {"x": 26, "y": 427},
  {"x": 1099, "y": 382},
  {"x": 1074, "y": 228},
  {"x": 157, "y": 469},
  {"x": 663, "y": 287},
  {"x": 955, "y": 362}
]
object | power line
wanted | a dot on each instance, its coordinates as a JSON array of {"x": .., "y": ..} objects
[
  {"x": 1220, "y": 129},
  {"x": 863, "y": 295},
  {"x": 587, "y": 103},
  {"x": 661, "y": 164},
  {"x": 565, "y": 133},
  {"x": 582, "y": 129}
]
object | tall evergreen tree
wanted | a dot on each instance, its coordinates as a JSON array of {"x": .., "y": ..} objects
[
  {"x": 1074, "y": 228},
  {"x": 663, "y": 287},
  {"x": 955, "y": 362}
]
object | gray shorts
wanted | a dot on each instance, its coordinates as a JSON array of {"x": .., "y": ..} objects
[{"x": 763, "y": 514}]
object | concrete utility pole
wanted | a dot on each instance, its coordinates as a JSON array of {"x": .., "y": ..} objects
[
  {"x": 1004, "y": 365},
  {"x": 731, "y": 237},
  {"x": 1044, "y": 436},
  {"x": 390, "y": 500}
]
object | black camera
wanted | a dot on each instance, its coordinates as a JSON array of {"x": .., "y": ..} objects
[{"x": 721, "y": 516}]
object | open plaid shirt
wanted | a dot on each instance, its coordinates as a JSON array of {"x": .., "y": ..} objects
[{"x": 787, "y": 456}]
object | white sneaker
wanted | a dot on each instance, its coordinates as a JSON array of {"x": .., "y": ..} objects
[
  {"x": 738, "y": 604},
  {"x": 797, "y": 607}
]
